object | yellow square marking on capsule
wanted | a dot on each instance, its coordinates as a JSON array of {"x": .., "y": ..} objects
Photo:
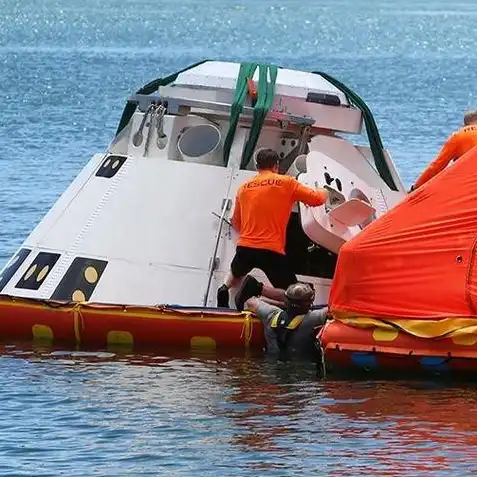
[
  {"x": 78, "y": 295},
  {"x": 30, "y": 272},
  {"x": 91, "y": 275},
  {"x": 43, "y": 273}
]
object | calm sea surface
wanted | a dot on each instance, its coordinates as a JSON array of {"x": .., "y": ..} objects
[{"x": 66, "y": 69}]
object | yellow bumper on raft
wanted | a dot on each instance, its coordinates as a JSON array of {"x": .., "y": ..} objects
[
  {"x": 460, "y": 330},
  {"x": 372, "y": 343}
]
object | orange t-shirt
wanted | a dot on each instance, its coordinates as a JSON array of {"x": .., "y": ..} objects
[
  {"x": 457, "y": 145},
  {"x": 263, "y": 206}
]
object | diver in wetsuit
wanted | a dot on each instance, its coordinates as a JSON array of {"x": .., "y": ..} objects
[{"x": 290, "y": 332}]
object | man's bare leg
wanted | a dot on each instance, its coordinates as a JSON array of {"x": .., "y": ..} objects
[
  {"x": 273, "y": 296},
  {"x": 280, "y": 304},
  {"x": 252, "y": 287}
]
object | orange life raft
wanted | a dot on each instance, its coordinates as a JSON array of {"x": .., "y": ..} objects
[
  {"x": 404, "y": 295},
  {"x": 104, "y": 325}
]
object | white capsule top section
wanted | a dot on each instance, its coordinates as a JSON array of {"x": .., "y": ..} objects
[
  {"x": 292, "y": 83},
  {"x": 215, "y": 81}
]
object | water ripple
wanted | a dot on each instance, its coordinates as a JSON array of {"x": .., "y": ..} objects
[{"x": 120, "y": 414}]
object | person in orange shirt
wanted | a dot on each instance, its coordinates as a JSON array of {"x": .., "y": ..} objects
[
  {"x": 456, "y": 146},
  {"x": 262, "y": 209}
]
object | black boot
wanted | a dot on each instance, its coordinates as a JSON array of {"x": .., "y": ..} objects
[
  {"x": 250, "y": 287},
  {"x": 223, "y": 297}
]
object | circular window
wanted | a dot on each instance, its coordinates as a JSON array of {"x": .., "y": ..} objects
[{"x": 199, "y": 140}]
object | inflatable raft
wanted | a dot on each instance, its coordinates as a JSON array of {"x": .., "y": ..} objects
[
  {"x": 103, "y": 326},
  {"x": 404, "y": 294}
]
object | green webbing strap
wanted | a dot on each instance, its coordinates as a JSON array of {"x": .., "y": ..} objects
[
  {"x": 148, "y": 89},
  {"x": 246, "y": 71},
  {"x": 266, "y": 92},
  {"x": 374, "y": 138}
]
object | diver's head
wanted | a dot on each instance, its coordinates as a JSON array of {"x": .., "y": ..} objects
[
  {"x": 299, "y": 298},
  {"x": 470, "y": 117},
  {"x": 267, "y": 160}
]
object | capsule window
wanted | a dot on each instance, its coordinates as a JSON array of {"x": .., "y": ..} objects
[{"x": 199, "y": 140}]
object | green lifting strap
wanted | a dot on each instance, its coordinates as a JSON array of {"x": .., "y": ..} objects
[
  {"x": 266, "y": 92},
  {"x": 374, "y": 138},
  {"x": 148, "y": 89},
  {"x": 246, "y": 71}
]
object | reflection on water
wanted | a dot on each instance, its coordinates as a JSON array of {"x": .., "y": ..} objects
[{"x": 112, "y": 413}]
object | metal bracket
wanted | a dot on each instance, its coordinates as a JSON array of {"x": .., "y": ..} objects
[
  {"x": 227, "y": 203},
  {"x": 144, "y": 100},
  {"x": 183, "y": 105},
  {"x": 214, "y": 261}
]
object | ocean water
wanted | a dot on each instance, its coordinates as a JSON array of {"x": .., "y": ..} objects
[{"x": 66, "y": 69}]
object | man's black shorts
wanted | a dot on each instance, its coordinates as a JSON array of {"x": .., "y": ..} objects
[{"x": 275, "y": 265}]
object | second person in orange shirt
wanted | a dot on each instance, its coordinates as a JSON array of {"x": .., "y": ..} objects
[{"x": 456, "y": 146}]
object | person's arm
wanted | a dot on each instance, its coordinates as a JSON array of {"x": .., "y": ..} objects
[
  {"x": 446, "y": 155},
  {"x": 318, "y": 317},
  {"x": 236, "y": 216},
  {"x": 307, "y": 195},
  {"x": 266, "y": 313},
  {"x": 263, "y": 310}
]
